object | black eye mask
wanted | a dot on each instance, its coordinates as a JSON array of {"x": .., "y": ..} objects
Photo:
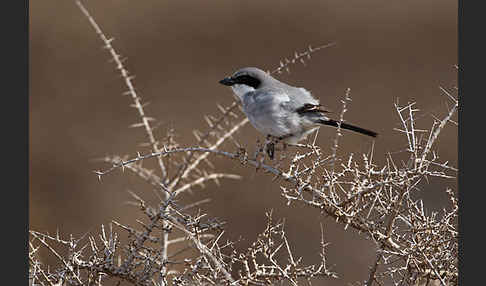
[{"x": 248, "y": 80}]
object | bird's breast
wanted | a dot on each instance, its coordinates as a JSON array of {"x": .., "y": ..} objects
[{"x": 266, "y": 114}]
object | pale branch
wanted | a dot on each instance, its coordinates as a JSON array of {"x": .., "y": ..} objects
[
  {"x": 37, "y": 267},
  {"x": 203, "y": 249},
  {"x": 201, "y": 180},
  {"x": 67, "y": 265},
  {"x": 373, "y": 269},
  {"x": 128, "y": 82},
  {"x": 436, "y": 132},
  {"x": 213, "y": 125},
  {"x": 184, "y": 238},
  {"x": 338, "y": 134},
  {"x": 199, "y": 159},
  {"x": 331, "y": 209},
  {"x": 299, "y": 57},
  {"x": 143, "y": 173},
  {"x": 260, "y": 262},
  {"x": 159, "y": 154},
  {"x": 137, "y": 104}
]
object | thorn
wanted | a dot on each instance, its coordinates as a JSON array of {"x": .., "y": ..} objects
[
  {"x": 209, "y": 163},
  {"x": 221, "y": 108},
  {"x": 114, "y": 56},
  {"x": 98, "y": 173},
  {"x": 136, "y": 125},
  {"x": 208, "y": 120},
  {"x": 217, "y": 181},
  {"x": 196, "y": 134}
]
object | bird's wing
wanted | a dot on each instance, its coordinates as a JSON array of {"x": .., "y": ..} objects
[{"x": 302, "y": 102}]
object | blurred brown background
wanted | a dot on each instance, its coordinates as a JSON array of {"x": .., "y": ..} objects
[{"x": 179, "y": 50}]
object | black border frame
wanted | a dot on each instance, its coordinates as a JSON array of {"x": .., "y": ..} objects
[{"x": 15, "y": 144}]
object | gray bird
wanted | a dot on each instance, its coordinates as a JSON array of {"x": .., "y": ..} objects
[{"x": 279, "y": 110}]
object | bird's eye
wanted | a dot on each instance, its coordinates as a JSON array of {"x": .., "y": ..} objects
[{"x": 247, "y": 80}]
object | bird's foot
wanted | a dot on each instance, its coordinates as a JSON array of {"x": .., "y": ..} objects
[
  {"x": 284, "y": 146},
  {"x": 271, "y": 150},
  {"x": 270, "y": 146},
  {"x": 271, "y": 143}
]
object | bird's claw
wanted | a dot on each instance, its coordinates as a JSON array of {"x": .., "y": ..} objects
[{"x": 270, "y": 150}]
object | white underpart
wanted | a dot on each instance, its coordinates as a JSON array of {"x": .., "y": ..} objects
[
  {"x": 265, "y": 112},
  {"x": 241, "y": 89}
]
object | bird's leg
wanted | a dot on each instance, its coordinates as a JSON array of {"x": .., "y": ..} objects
[
  {"x": 259, "y": 149},
  {"x": 272, "y": 141},
  {"x": 258, "y": 153},
  {"x": 284, "y": 145},
  {"x": 270, "y": 146}
]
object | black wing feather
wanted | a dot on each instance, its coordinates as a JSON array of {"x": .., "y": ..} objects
[
  {"x": 348, "y": 126},
  {"x": 311, "y": 108}
]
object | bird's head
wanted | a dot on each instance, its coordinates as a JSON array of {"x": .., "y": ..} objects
[{"x": 246, "y": 80}]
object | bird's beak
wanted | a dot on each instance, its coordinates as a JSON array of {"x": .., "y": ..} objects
[{"x": 227, "y": 81}]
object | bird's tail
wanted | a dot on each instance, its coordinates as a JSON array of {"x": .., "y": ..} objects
[{"x": 347, "y": 126}]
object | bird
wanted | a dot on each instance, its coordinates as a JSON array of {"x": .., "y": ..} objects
[{"x": 281, "y": 111}]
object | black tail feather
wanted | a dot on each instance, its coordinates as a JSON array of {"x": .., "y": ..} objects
[{"x": 347, "y": 126}]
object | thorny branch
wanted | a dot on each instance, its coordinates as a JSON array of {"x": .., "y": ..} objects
[
  {"x": 374, "y": 200},
  {"x": 128, "y": 82}
]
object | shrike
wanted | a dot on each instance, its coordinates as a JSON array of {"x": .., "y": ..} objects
[{"x": 279, "y": 110}]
